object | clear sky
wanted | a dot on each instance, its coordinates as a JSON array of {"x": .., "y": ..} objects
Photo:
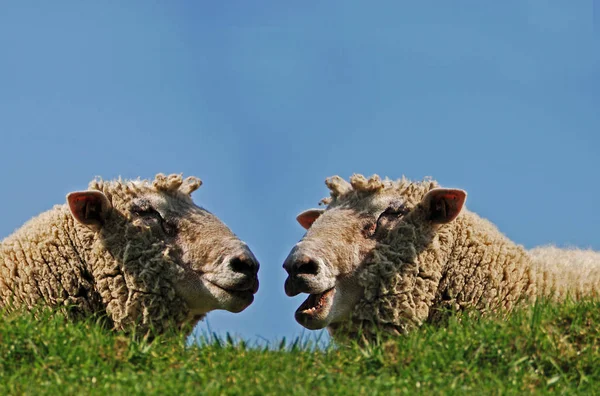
[{"x": 265, "y": 99}]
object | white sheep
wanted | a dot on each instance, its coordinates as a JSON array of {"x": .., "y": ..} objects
[
  {"x": 392, "y": 255},
  {"x": 139, "y": 252}
]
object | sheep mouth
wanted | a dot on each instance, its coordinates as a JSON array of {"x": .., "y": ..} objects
[
  {"x": 313, "y": 312},
  {"x": 241, "y": 293},
  {"x": 234, "y": 299}
]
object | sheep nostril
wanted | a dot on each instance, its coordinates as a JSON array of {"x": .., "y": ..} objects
[
  {"x": 243, "y": 265},
  {"x": 308, "y": 267}
]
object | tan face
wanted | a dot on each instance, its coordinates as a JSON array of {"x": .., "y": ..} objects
[
  {"x": 327, "y": 262},
  {"x": 220, "y": 271},
  {"x": 187, "y": 246}
]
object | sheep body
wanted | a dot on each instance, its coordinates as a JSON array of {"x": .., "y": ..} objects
[
  {"x": 140, "y": 260},
  {"x": 405, "y": 270}
]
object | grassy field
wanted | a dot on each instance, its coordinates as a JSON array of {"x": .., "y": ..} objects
[{"x": 546, "y": 348}]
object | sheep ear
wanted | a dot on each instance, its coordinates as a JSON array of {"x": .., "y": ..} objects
[
  {"x": 90, "y": 208},
  {"x": 308, "y": 217},
  {"x": 443, "y": 204}
]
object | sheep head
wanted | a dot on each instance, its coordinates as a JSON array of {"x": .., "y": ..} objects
[
  {"x": 371, "y": 228},
  {"x": 156, "y": 256}
]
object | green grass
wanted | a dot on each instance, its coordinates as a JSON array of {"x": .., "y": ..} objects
[{"x": 546, "y": 348}]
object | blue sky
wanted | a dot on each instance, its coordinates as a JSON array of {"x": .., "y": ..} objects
[{"x": 263, "y": 100}]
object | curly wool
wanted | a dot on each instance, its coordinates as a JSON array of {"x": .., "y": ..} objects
[
  {"x": 173, "y": 184},
  {"x": 417, "y": 275},
  {"x": 121, "y": 272},
  {"x": 344, "y": 193}
]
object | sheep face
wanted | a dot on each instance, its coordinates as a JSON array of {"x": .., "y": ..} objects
[
  {"x": 333, "y": 261},
  {"x": 167, "y": 253}
]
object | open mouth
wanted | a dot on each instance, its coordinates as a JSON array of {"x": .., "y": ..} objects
[{"x": 315, "y": 308}]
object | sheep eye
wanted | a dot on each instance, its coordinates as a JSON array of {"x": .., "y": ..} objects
[
  {"x": 145, "y": 211},
  {"x": 395, "y": 210},
  {"x": 148, "y": 211}
]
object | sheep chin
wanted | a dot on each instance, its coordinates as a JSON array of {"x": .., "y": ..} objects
[
  {"x": 229, "y": 300},
  {"x": 202, "y": 296}
]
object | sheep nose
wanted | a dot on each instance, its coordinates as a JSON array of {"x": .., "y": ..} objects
[
  {"x": 244, "y": 264},
  {"x": 303, "y": 272},
  {"x": 303, "y": 265}
]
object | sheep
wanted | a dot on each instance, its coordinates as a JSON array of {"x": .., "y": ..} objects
[
  {"x": 387, "y": 256},
  {"x": 139, "y": 253}
]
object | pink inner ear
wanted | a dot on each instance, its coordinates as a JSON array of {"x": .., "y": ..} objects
[
  {"x": 88, "y": 207},
  {"x": 76, "y": 203},
  {"x": 306, "y": 219},
  {"x": 446, "y": 204}
]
